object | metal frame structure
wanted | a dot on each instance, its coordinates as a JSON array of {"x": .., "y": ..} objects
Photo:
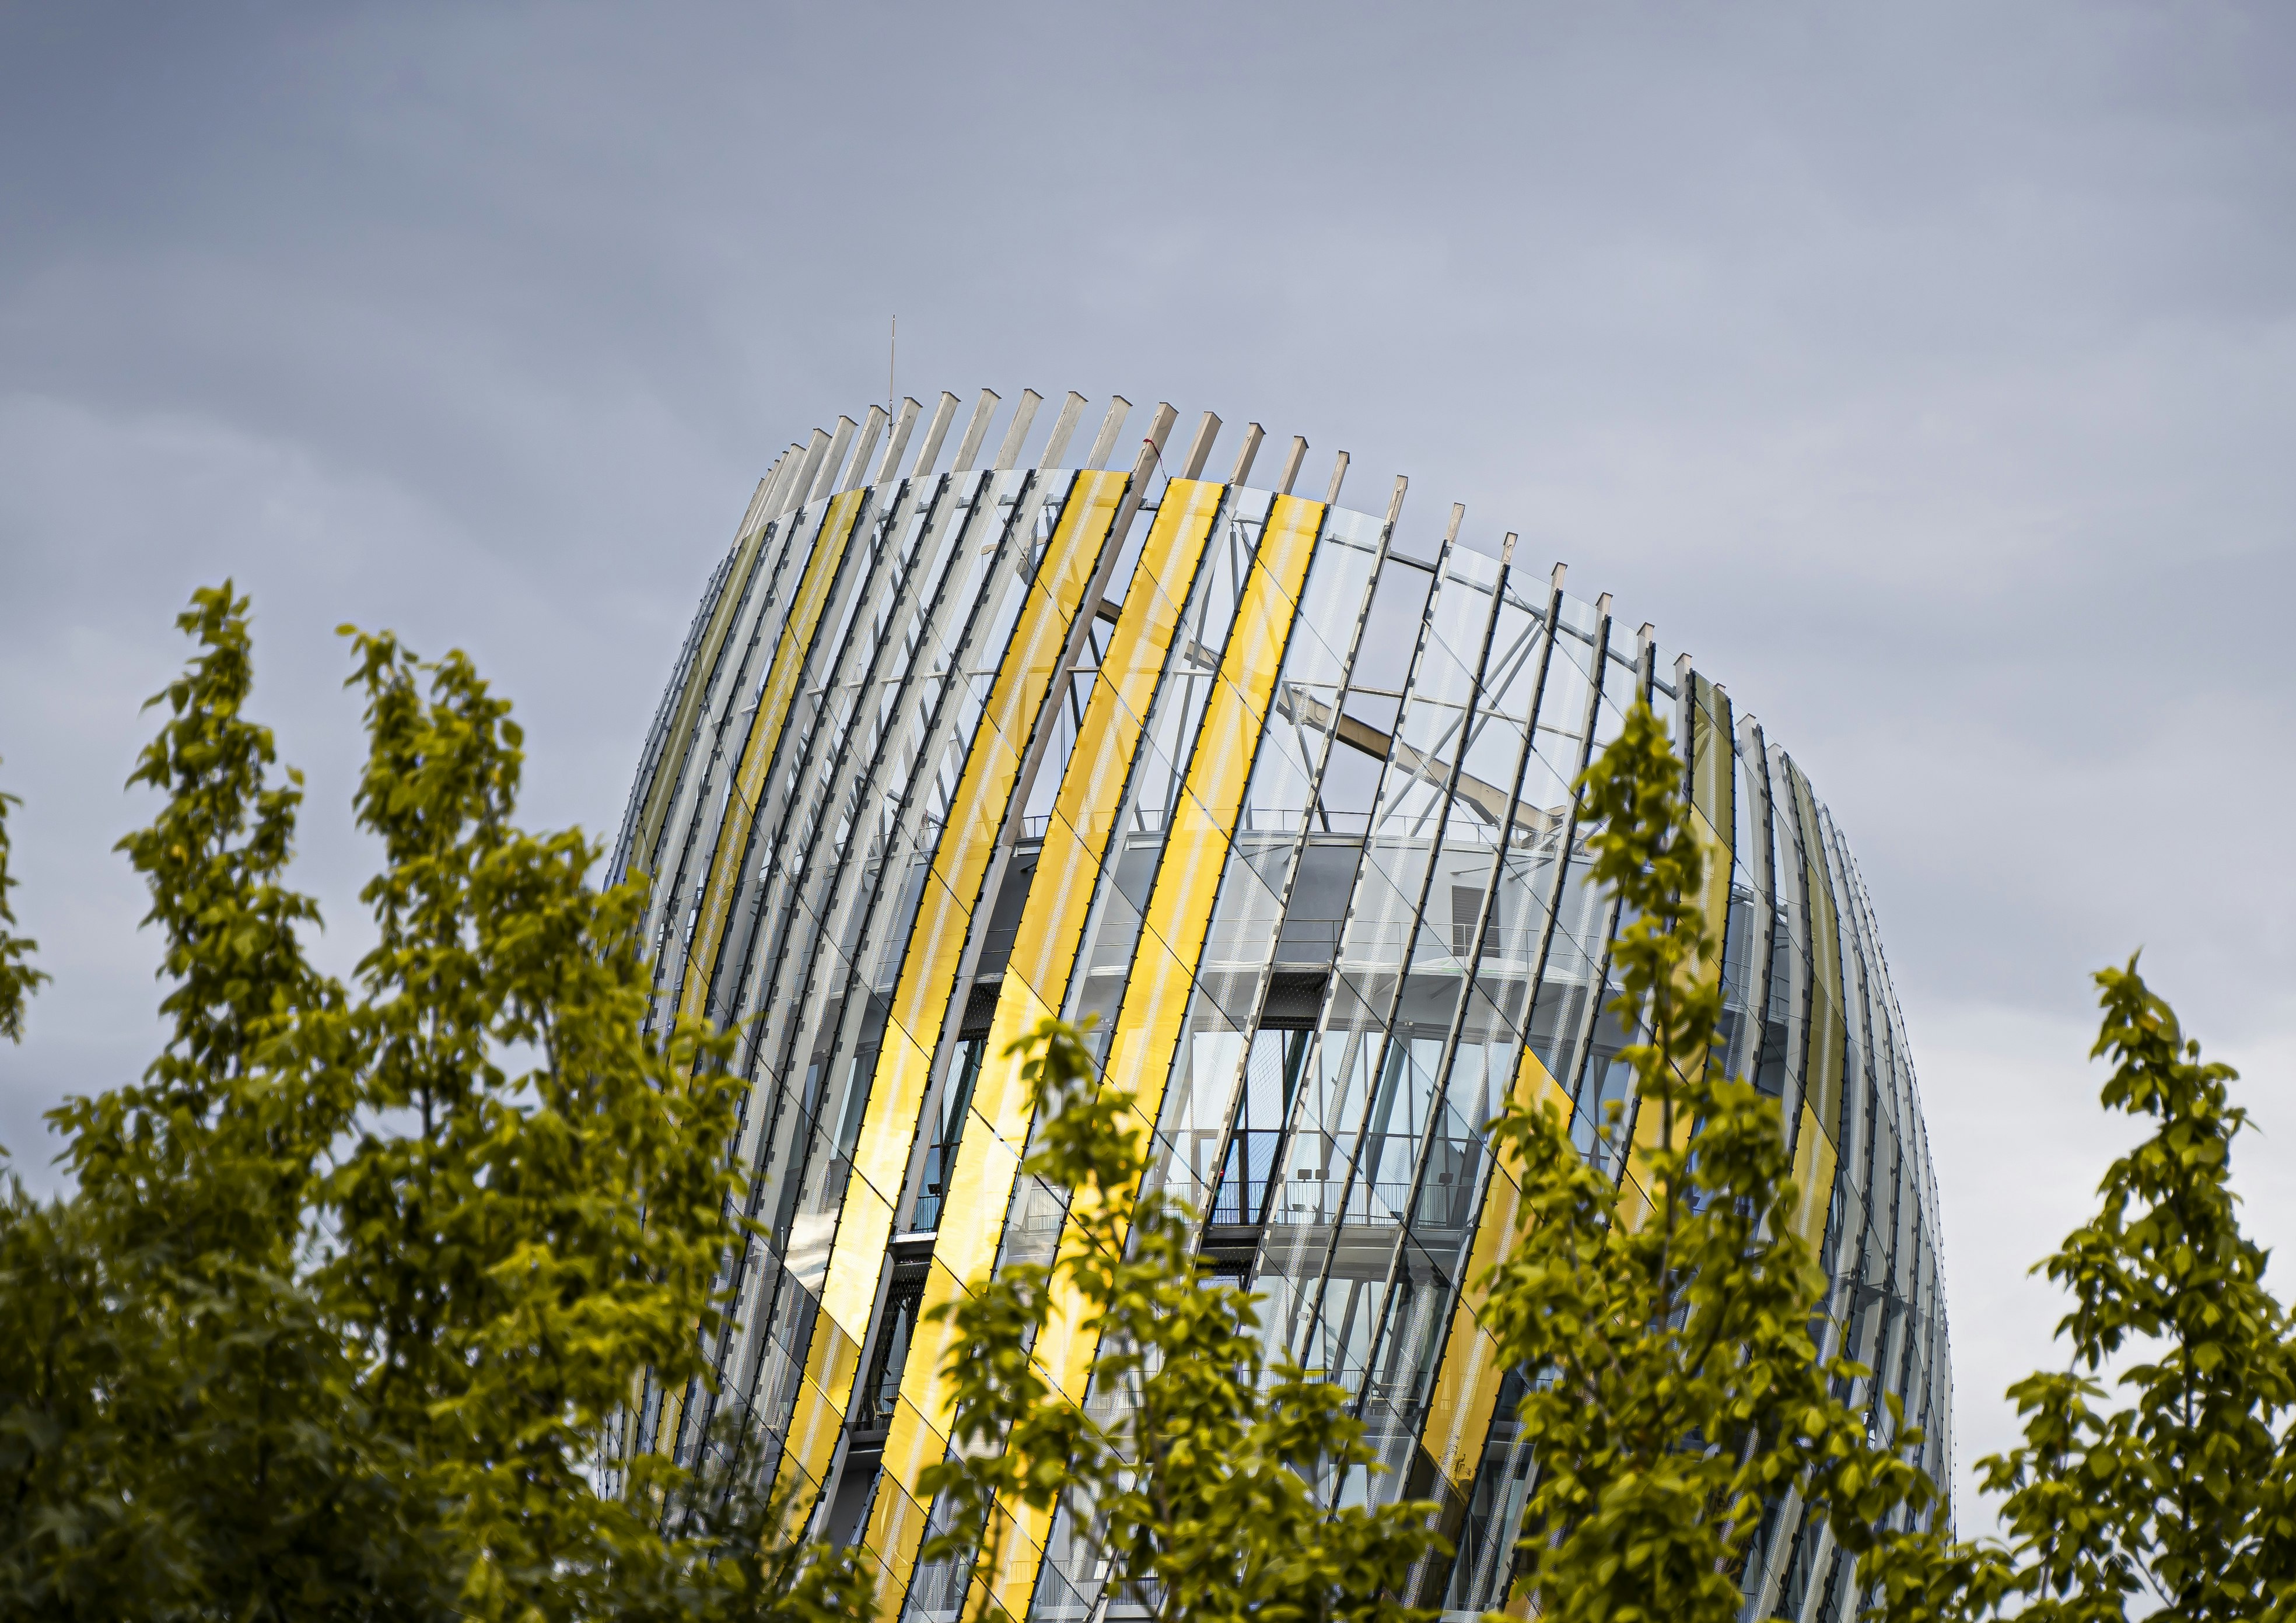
[{"x": 1279, "y": 792}]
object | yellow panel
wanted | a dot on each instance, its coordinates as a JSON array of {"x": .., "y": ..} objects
[
  {"x": 1718, "y": 884},
  {"x": 1044, "y": 946},
  {"x": 897, "y": 1523},
  {"x": 1180, "y": 903},
  {"x": 765, "y": 733},
  {"x": 1467, "y": 1381},
  {"x": 1015, "y": 1578},
  {"x": 1829, "y": 1031},
  {"x": 895, "y": 1530},
  {"x": 1635, "y": 1202},
  {"x": 1713, "y": 790},
  {"x": 679, "y": 738},
  {"x": 929, "y": 966},
  {"x": 1813, "y": 1161},
  {"x": 1713, "y": 756},
  {"x": 831, "y": 1364}
]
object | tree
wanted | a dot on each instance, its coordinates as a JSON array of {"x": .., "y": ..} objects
[
  {"x": 1203, "y": 1473},
  {"x": 354, "y": 1279},
  {"x": 1676, "y": 1389},
  {"x": 169, "y": 1344},
  {"x": 2181, "y": 1500},
  {"x": 18, "y": 979}
]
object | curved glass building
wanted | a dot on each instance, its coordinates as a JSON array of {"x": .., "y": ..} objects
[{"x": 1278, "y": 789}]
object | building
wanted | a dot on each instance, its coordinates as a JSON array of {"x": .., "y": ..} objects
[{"x": 1278, "y": 791}]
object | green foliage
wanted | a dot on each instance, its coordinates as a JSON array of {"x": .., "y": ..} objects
[
  {"x": 1677, "y": 1388},
  {"x": 355, "y": 1280},
  {"x": 1204, "y": 1469},
  {"x": 18, "y": 979}
]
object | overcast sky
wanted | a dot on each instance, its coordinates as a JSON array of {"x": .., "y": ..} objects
[{"x": 1925, "y": 370}]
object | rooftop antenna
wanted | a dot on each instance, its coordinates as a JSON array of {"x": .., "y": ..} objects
[{"x": 892, "y": 354}]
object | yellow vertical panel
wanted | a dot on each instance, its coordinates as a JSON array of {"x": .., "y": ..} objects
[
  {"x": 1044, "y": 946},
  {"x": 830, "y": 1365},
  {"x": 765, "y": 733},
  {"x": 1716, "y": 846},
  {"x": 897, "y": 1519},
  {"x": 1467, "y": 1381},
  {"x": 1713, "y": 796},
  {"x": 976, "y": 816},
  {"x": 1713, "y": 759},
  {"x": 1814, "y": 1163},
  {"x": 1015, "y": 1578},
  {"x": 936, "y": 947},
  {"x": 979, "y": 1190},
  {"x": 1179, "y": 905},
  {"x": 1024, "y": 1558},
  {"x": 1829, "y": 1031},
  {"x": 1156, "y": 1012},
  {"x": 1162, "y": 979},
  {"x": 680, "y": 738},
  {"x": 1634, "y": 1201},
  {"x": 927, "y": 977}
]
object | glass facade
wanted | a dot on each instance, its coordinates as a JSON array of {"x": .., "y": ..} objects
[{"x": 1277, "y": 791}]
